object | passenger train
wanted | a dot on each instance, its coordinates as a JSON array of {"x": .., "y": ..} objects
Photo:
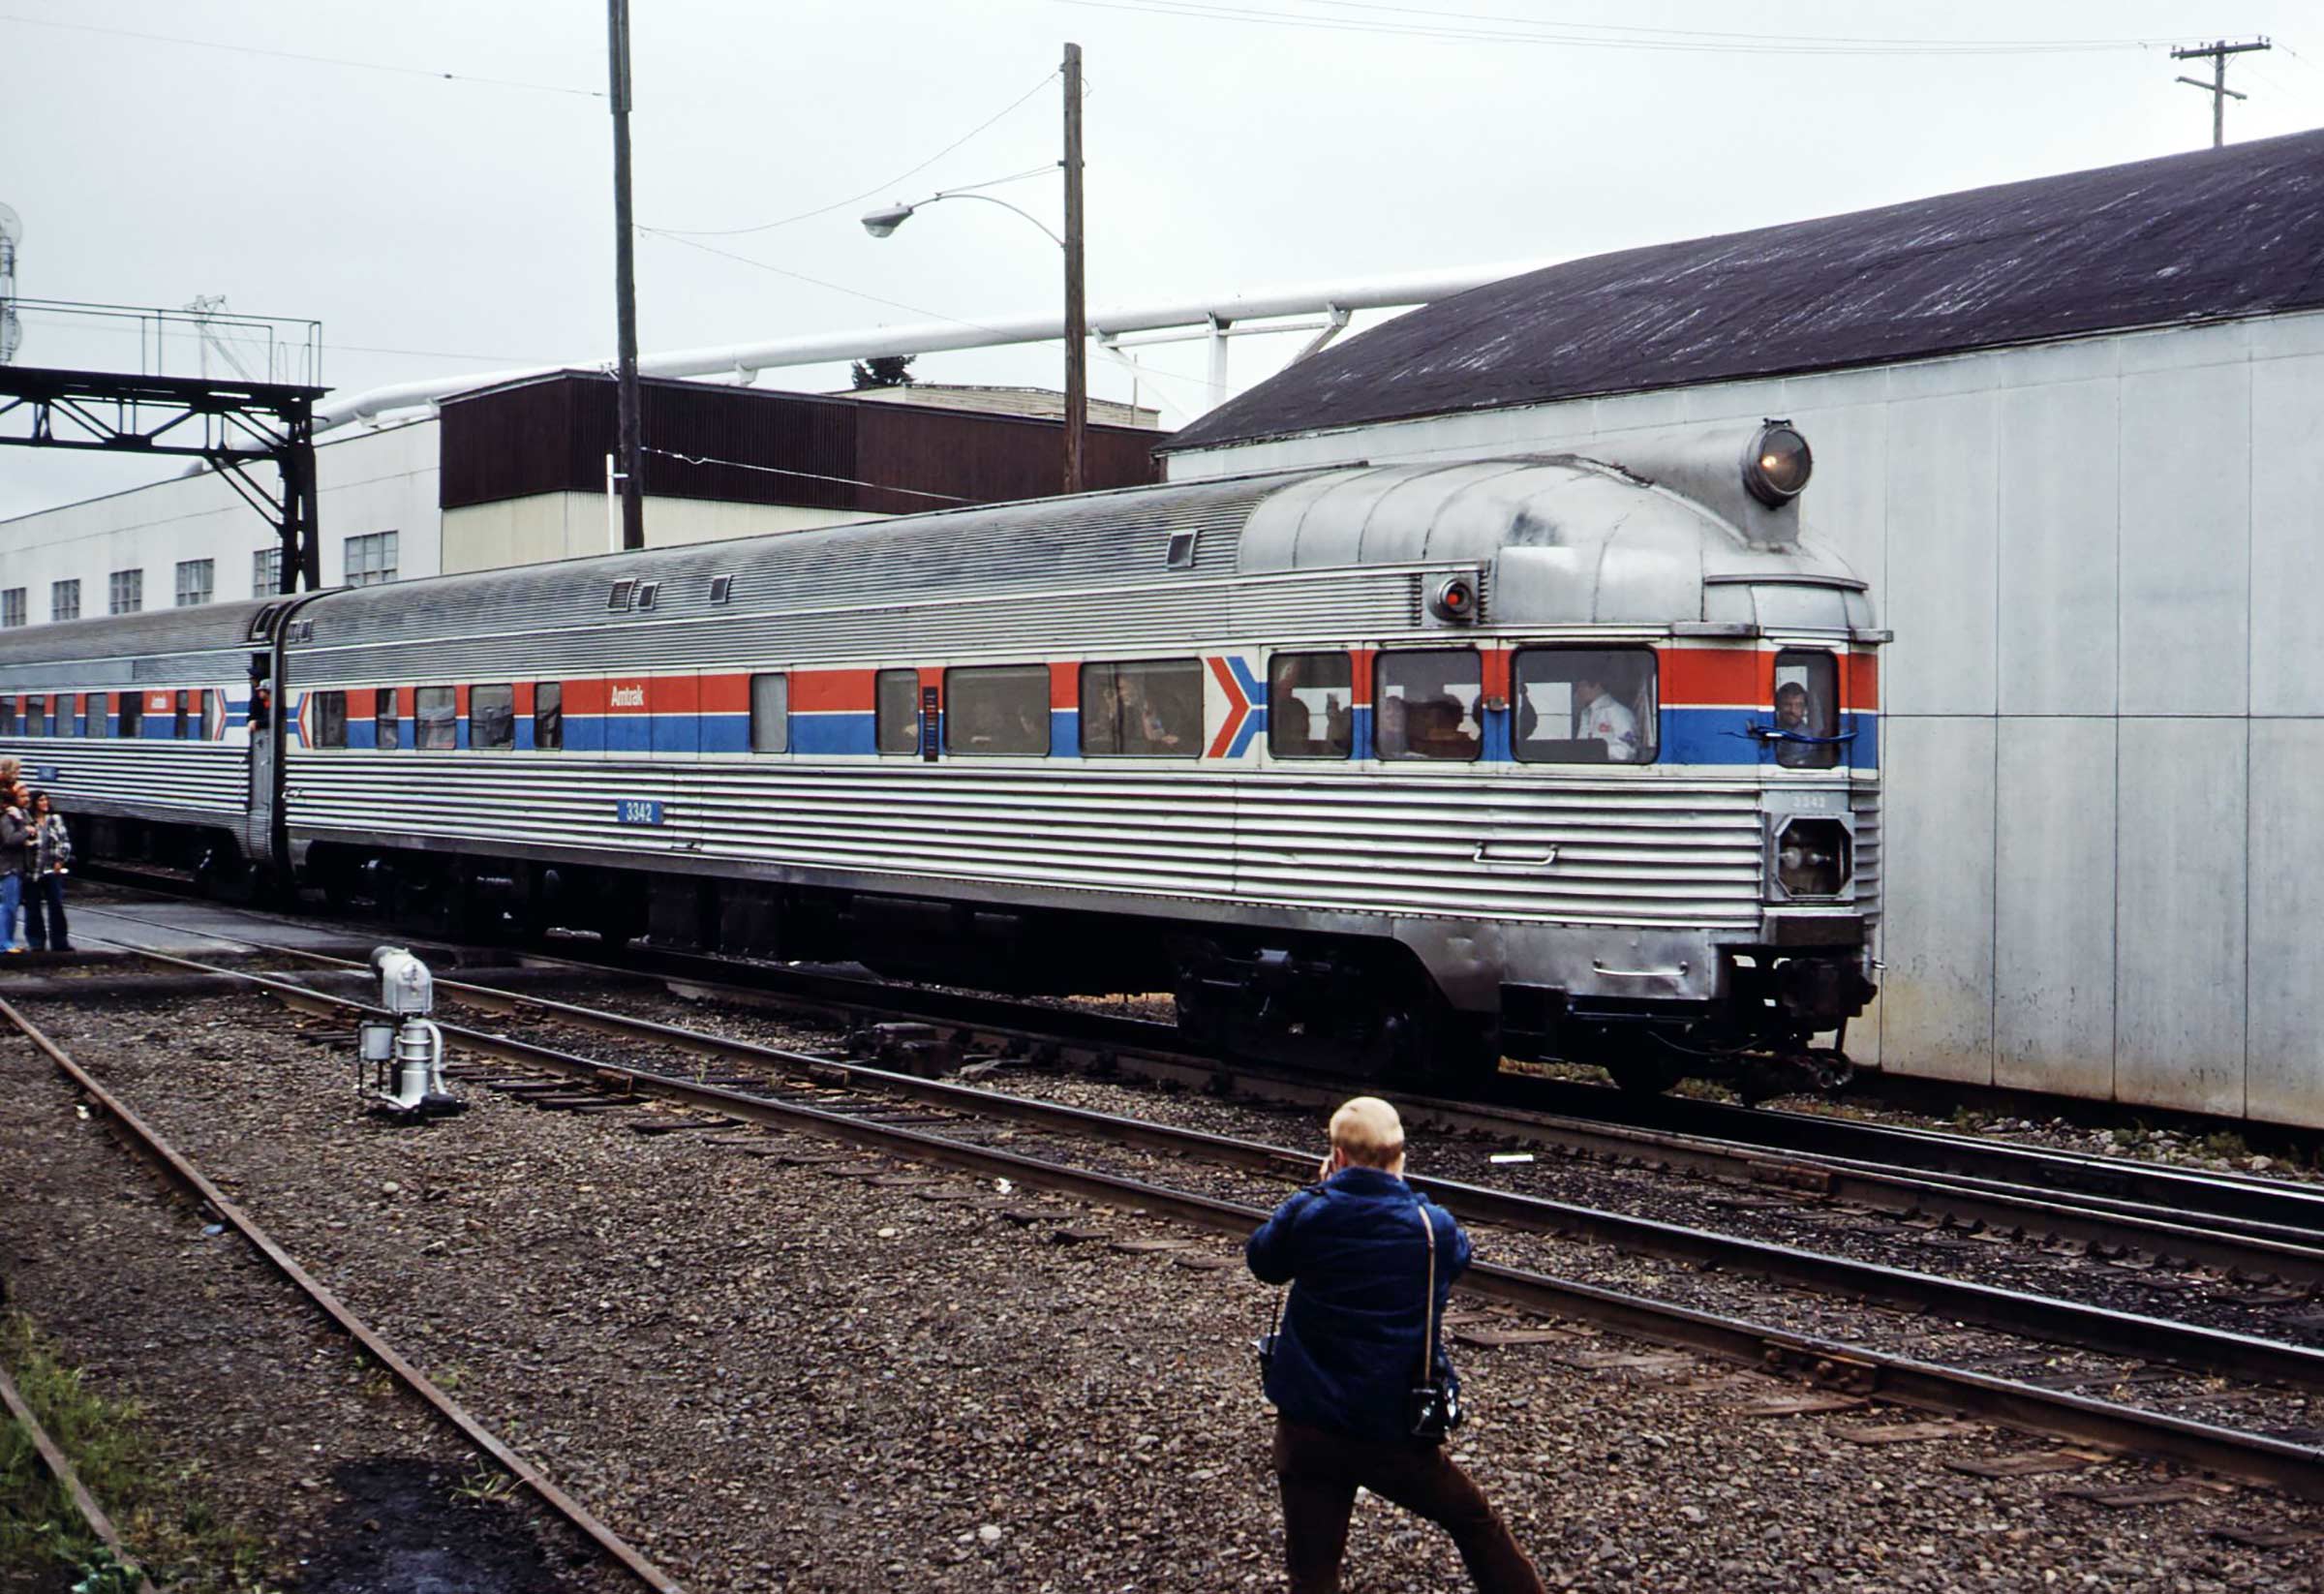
[{"x": 1382, "y": 769}]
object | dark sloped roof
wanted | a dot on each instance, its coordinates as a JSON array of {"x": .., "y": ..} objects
[{"x": 2218, "y": 234}]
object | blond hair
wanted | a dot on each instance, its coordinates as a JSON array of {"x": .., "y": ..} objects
[{"x": 1369, "y": 1132}]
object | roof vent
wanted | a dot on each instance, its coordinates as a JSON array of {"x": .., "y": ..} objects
[
  {"x": 619, "y": 599},
  {"x": 1182, "y": 552},
  {"x": 721, "y": 588},
  {"x": 649, "y": 592}
]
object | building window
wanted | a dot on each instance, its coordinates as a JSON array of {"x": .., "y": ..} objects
[
  {"x": 12, "y": 607},
  {"x": 1310, "y": 705},
  {"x": 196, "y": 579},
  {"x": 1002, "y": 710},
  {"x": 125, "y": 592},
  {"x": 371, "y": 560},
  {"x": 1152, "y": 708},
  {"x": 548, "y": 715},
  {"x": 1584, "y": 706},
  {"x": 895, "y": 710},
  {"x": 492, "y": 717},
  {"x": 769, "y": 714},
  {"x": 435, "y": 718},
  {"x": 1425, "y": 700},
  {"x": 266, "y": 572},
  {"x": 331, "y": 717},
  {"x": 64, "y": 599}
]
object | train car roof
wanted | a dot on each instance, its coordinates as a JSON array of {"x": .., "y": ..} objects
[{"x": 2217, "y": 234}]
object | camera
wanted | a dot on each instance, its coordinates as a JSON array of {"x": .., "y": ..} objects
[
  {"x": 1432, "y": 1410},
  {"x": 1265, "y": 1345}
]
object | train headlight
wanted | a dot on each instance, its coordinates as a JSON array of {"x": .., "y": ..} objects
[
  {"x": 1777, "y": 467},
  {"x": 1811, "y": 858}
]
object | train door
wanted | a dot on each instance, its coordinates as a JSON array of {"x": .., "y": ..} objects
[{"x": 263, "y": 840}]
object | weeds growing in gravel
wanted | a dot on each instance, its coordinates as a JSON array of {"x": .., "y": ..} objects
[
  {"x": 180, "y": 1537},
  {"x": 2226, "y": 1143}
]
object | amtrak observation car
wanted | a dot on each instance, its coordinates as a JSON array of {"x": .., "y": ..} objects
[{"x": 1378, "y": 769}]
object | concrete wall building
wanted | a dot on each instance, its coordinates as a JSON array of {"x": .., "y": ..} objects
[{"x": 2072, "y": 432}]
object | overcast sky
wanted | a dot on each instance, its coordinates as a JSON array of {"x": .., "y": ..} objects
[{"x": 440, "y": 225}]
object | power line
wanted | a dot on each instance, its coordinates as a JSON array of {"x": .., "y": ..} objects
[
  {"x": 857, "y": 199},
  {"x": 1508, "y": 30},
  {"x": 295, "y": 56},
  {"x": 775, "y": 470},
  {"x": 801, "y": 276}
]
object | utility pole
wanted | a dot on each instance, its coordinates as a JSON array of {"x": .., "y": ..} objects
[
  {"x": 2218, "y": 50},
  {"x": 1077, "y": 310},
  {"x": 625, "y": 288}
]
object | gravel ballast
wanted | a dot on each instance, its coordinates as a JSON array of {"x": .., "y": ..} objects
[{"x": 821, "y": 1369}]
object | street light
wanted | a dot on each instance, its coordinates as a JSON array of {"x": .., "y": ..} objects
[{"x": 881, "y": 223}]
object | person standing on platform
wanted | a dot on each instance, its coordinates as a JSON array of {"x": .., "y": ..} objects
[
  {"x": 45, "y": 885},
  {"x": 15, "y": 838}
]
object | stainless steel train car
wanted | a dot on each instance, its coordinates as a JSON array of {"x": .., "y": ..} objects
[{"x": 1387, "y": 768}]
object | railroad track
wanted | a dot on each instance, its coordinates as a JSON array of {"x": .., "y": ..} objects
[
  {"x": 935, "y": 1121},
  {"x": 180, "y": 1171}
]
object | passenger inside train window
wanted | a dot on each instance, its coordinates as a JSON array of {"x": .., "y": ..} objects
[
  {"x": 1147, "y": 708},
  {"x": 330, "y": 718},
  {"x": 1807, "y": 709},
  {"x": 997, "y": 711},
  {"x": 435, "y": 719},
  {"x": 492, "y": 717},
  {"x": 1585, "y": 705},
  {"x": 1309, "y": 711},
  {"x": 548, "y": 716},
  {"x": 769, "y": 714},
  {"x": 896, "y": 715},
  {"x": 1427, "y": 701},
  {"x": 387, "y": 705}
]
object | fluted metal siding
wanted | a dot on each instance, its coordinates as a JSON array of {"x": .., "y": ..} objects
[
  {"x": 1655, "y": 852},
  {"x": 191, "y": 647},
  {"x": 1864, "y": 802},
  {"x": 166, "y": 780}
]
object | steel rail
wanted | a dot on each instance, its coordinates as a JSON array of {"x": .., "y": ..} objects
[
  {"x": 60, "y": 1467},
  {"x": 2078, "y": 1324},
  {"x": 2242, "y": 1247},
  {"x": 2145, "y": 1338},
  {"x": 149, "y": 1140}
]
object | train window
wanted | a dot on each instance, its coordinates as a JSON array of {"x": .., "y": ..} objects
[
  {"x": 721, "y": 588},
  {"x": 213, "y": 715},
  {"x": 1147, "y": 708},
  {"x": 1310, "y": 705},
  {"x": 1584, "y": 706},
  {"x": 548, "y": 715},
  {"x": 649, "y": 594},
  {"x": 1806, "y": 705},
  {"x": 1002, "y": 709},
  {"x": 1424, "y": 704},
  {"x": 330, "y": 718},
  {"x": 618, "y": 596},
  {"x": 99, "y": 722},
  {"x": 60, "y": 707},
  {"x": 388, "y": 719},
  {"x": 435, "y": 719},
  {"x": 133, "y": 714},
  {"x": 181, "y": 706},
  {"x": 35, "y": 714},
  {"x": 895, "y": 710},
  {"x": 8, "y": 715},
  {"x": 769, "y": 714},
  {"x": 492, "y": 717}
]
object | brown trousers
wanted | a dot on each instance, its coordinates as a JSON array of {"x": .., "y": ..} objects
[{"x": 1319, "y": 1472}]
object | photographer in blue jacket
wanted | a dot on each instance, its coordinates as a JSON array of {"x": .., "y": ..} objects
[{"x": 1363, "y": 1389}]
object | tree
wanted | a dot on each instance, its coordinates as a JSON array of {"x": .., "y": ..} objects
[{"x": 884, "y": 370}]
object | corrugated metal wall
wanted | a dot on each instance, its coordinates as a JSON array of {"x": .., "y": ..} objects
[{"x": 552, "y": 435}]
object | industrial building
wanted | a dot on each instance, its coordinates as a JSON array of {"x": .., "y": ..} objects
[
  {"x": 2072, "y": 433},
  {"x": 516, "y": 473}
]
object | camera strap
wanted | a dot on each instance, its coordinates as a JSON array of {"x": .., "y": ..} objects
[{"x": 1427, "y": 1300}]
